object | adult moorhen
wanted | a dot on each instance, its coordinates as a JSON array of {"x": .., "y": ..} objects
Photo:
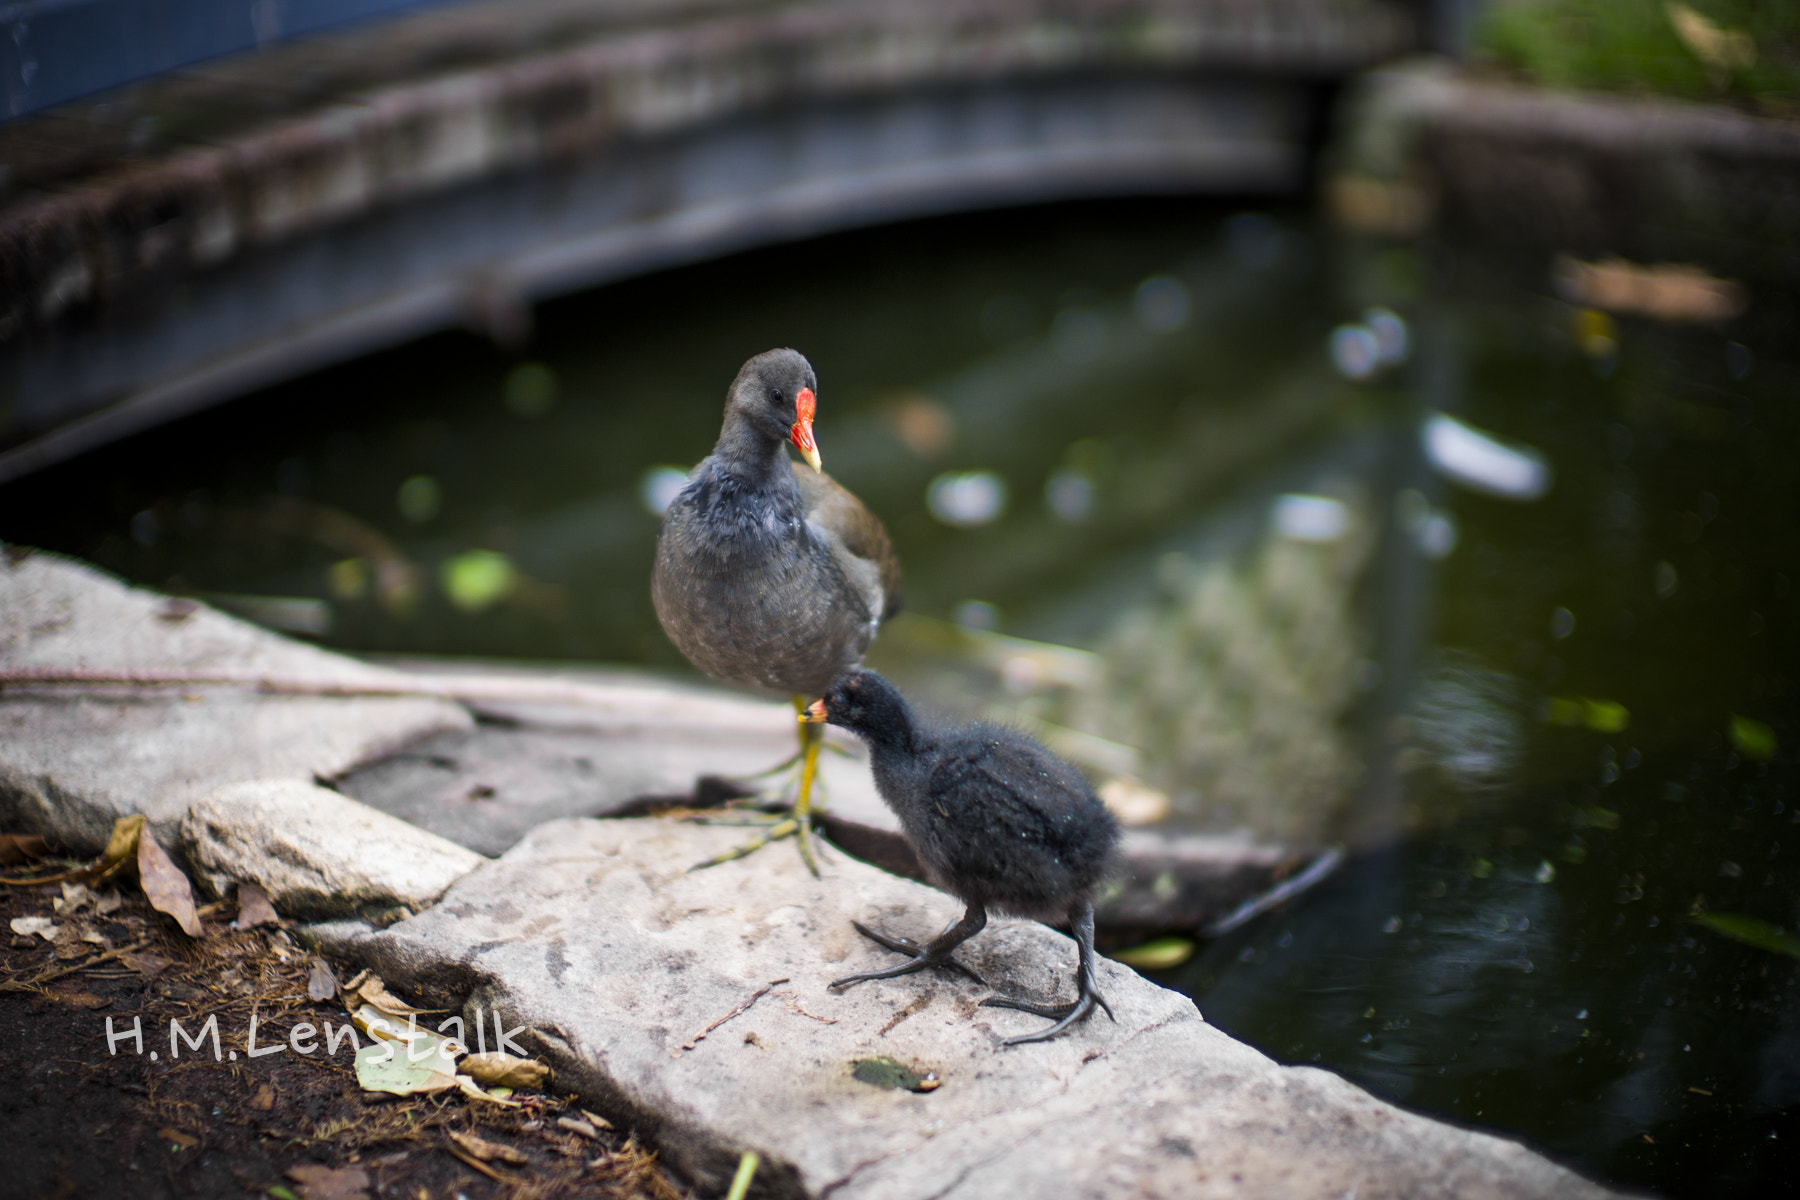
[
  {"x": 769, "y": 574},
  {"x": 997, "y": 819}
]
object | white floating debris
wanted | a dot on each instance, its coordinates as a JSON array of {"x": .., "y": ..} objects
[
  {"x": 660, "y": 486},
  {"x": 1310, "y": 518},
  {"x": 1482, "y": 463},
  {"x": 1392, "y": 339},
  {"x": 1355, "y": 351},
  {"x": 966, "y": 498},
  {"x": 1161, "y": 304},
  {"x": 1069, "y": 494}
]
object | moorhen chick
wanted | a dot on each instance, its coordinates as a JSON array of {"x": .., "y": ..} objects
[
  {"x": 997, "y": 820},
  {"x": 768, "y": 573}
]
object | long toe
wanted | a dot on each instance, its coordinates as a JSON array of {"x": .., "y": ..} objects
[
  {"x": 899, "y": 945},
  {"x": 1070, "y": 1014}
]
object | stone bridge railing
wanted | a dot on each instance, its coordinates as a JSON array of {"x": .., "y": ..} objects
[{"x": 187, "y": 240}]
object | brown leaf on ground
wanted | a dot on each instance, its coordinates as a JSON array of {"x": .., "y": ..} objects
[
  {"x": 321, "y": 984},
  {"x": 167, "y": 888},
  {"x": 487, "y": 1151},
  {"x": 145, "y": 963},
  {"x": 504, "y": 1070},
  {"x": 318, "y": 1182},
  {"x": 16, "y": 848},
  {"x": 121, "y": 848},
  {"x": 186, "y": 1141},
  {"x": 80, "y": 999},
  {"x": 253, "y": 907},
  {"x": 368, "y": 989}
]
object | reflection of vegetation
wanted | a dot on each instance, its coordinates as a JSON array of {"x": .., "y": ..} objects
[
  {"x": 1739, "y": 48},
  {"x": 1237, "y": 682},
  {"x": 1752, "y": 931}
]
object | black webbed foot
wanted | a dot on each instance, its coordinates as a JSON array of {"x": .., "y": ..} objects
[
  {"x": 1087, "y": 986},
  {"x": 935, "y": 953},
  {"x": 1065, "y": 1015}
]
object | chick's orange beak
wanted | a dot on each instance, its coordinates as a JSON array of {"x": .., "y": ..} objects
[
  {"x": 805, "y": 404},
  {"x": 814, "y": 714}
]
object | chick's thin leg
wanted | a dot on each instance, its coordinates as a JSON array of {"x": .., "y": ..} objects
[
  {"x": 1087, "y": 987},
  {"x": 935, "y": 953}
]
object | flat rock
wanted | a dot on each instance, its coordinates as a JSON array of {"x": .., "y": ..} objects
[
  {"x": 590, "y": 937},
  {"x": 528, "y": 762},
  {"x": 317, "y": 853},
  {"x": 71, "y": 762}
]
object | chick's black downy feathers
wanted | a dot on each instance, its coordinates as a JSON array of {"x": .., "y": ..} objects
[{"x": 996, "y": 819}]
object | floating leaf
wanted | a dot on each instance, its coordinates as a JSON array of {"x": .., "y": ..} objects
[
  {"x": 167, "y": 888},
  {"x": 505, "y": 1070},
  {"x": 1158, "y": 955},
  {"x": 1752, "y": 931},
  {"x": 1751, "y": 738},
  {"x": 254, "y": 908},
  {"x": 476, "y": 580},
  {"x": 1602, "y": 716},
  {"x": 886, "y": 1073}
]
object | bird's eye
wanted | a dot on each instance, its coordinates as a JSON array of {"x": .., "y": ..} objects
[{"x": 775, "y": 396}]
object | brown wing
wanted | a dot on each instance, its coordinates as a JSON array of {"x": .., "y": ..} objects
[{"x": 858, "y": 530}]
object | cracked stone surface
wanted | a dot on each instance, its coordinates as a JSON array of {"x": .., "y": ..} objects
[
  {"x": 591, "y": 938},
  {"x": 316, "y": 853},
  {"x": 73, "y": 762}
]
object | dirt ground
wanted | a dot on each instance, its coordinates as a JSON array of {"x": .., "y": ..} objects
[{"x": 84, "y": 1116}]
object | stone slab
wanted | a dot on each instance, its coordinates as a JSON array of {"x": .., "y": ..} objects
[
  {"x": 527, "y": 763},
  {"x": 72, "y": 762},
  {"x": 592, "y": 938},
  {"x": 316, "y": 853}
]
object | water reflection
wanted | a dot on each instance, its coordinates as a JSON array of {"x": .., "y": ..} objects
[{"x": 1143, "y": 511}]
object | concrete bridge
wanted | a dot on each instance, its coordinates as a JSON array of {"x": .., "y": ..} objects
[{"x": 182, "y": 241}]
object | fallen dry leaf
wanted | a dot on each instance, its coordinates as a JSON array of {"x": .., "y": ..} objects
[
  {"x": 321, "y": 984},
  {"x": 368, "y": 989},
  {"x": 74, "y": 896},
  {"x": 253, "y": 907},
  {"x": 81, "y": 999},
  {"x": 319, "y": 1182},
  {"x": 44, "y": 927},
  {"x": 167, "y": 888},
  {"x": 505, "y": 1070},
  {"x": 488, "y": 1151},
  {"x": 577, "y": 1126},
  {"x": 186, "y": 1141},
  {"x": 16, "y": 848},
  {"x": 121, "y": 848},
  {"x": 145, "y": 964}
]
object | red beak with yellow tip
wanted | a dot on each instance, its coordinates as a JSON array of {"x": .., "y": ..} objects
[
  {"x": 805, "y": 404},
  {"x": 814, "y": 714}
]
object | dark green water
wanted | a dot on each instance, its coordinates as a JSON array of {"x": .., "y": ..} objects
[{"x": 1576, "y": 732}]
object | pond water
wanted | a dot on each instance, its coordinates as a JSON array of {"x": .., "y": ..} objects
[{"x": 1386, "y": 543}]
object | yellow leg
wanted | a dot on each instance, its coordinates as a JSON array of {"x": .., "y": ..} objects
[{"x": 799, "y": 820}]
